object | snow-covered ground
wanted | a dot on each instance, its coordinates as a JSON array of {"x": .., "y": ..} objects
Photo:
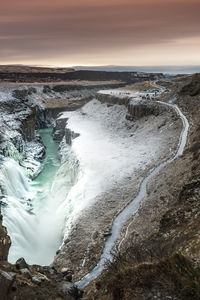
[
  {"x": 125, "y": 93},
  {"x": 109, "y": 149}
]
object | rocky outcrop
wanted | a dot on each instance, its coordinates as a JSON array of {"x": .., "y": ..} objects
[
  {"x": 136, "y": 108},
  {"x": 29, "y": 126},
  {"x": 22, "y": 94},
  {"x": 145, "y": 108},
  {"x": 70, "y": 135},
  {"x": 4, "y": 242},
  {"x": 59, "y": 129}
]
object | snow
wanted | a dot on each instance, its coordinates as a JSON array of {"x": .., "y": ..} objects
[{"x": 109, "y": 150}]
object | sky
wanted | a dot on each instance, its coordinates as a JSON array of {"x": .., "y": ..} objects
[{"x": 107, "y": 32}]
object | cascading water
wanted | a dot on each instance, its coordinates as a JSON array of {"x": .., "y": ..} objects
[{"x": 33, "y": 210}]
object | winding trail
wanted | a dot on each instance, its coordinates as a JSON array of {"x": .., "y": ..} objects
[{"x": 123, "y": 217}]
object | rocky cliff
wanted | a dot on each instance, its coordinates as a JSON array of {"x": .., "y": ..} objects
[
  {"x": 137, "y": 108},
  {"x": 159, "y": 257}
]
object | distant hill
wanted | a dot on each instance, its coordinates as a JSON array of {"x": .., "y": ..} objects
[
  {"x": 32, "y": 69},
  {"x": 169, "y": 70},
  {"x": 17, "y": 73}
]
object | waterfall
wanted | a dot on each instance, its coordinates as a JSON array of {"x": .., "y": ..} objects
[
  {"x": 35, "y": 212},
  {"x": 13, "y": 181},
  {"x": 16, "y": 197}
]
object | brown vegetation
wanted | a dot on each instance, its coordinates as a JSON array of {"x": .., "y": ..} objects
[
  {"x": 193, "y": 87},
  {"x": 173, "y": 276}
]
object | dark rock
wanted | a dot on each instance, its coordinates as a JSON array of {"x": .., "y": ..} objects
[
  {"x": 70, "y": 135},
  {"x": 68, "y": 288},
  {"x": 59, "y": 129},
  {"x": 21, "y": 264},
  {"x": 32, "y": 90},
  {"x": 29, "y": 126},
  {"x": 20, "y": 94},
  {"x": 67, "y": 274},
  {"x": 46, "y": 89},
  {"x": 107, "y": 232},
  {"x": 5, "y": 284},
  {"x": 4, "y": 242},
  {"x": 14, "y": 287}
]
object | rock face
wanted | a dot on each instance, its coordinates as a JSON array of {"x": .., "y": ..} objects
[
  {"x": 35, "y": 283},
  {"x": 193, "y": 87},
  {"x": 59, "y": 129},
  {"x": 70, "y": 135},
  {"x": 4, "y": 243},
  {"x": 136, "y": 109},
  {"x": 29, "y": 126}
]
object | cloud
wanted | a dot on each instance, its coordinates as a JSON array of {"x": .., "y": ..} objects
[{"x": 44, "y": 29}]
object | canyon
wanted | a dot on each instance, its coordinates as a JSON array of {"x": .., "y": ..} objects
[{"x": 75, "y": 147}]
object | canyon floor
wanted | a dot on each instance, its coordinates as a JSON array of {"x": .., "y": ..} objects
[{"x": 158, "y": 257}]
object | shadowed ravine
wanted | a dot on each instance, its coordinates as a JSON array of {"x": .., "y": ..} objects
[{"x": 133, "y": 206}]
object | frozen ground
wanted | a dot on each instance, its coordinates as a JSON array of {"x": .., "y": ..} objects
[{"x": 113, "y": 155}]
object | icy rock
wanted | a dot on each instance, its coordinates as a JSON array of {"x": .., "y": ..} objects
[
  {"x": 36, "y": 279},
  {"x": 7, "y": 275}
]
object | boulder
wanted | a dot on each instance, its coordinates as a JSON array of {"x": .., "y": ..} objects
[{"x": 21, "y": 264}]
